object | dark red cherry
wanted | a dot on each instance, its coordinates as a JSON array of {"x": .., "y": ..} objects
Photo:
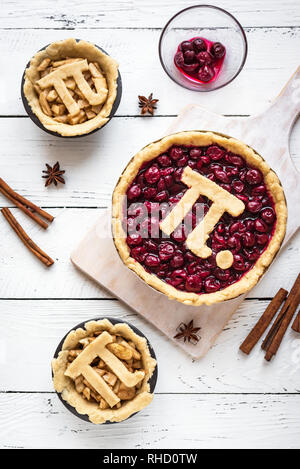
[
  {"x": 134, "y": 239},
  {"x": 253, "y": 176},
  {"x": 134, "y": 192},
  {"x": 268, "y": 215},
  {"x": 178, "y": 174},
  {"x": 186, "y": 45},
  {"x": 161, "y": 185},
  {"x": 205, "y": 159},
  {"x": 177, "y": 277},
  {"x": 260, "y": 226},
  {"x": 167, "y": 171},
  {"x": 182, "y": 161},
  {"x": 199, "y": 45},
  {"x": 152, "y": 175},
  {"x": 189, "y": 56},
  {"x": 221, "y": 175},
  {"x": 161, "y": 196},
  {"x": 251, "y": 254},
  {"x": 192, "y": 164},
  {"x": 234, "y": 243},
  {"x": 211, "y": 285},
  {"x": 179, "y": 59},
  {"x": 262, "y": 239},
  {"x": 237, "y": 227},
  {"x": 195, "y": 153},
  {"x": 221, "y": 274},
  {"x": 193, "y": 283},
  {"x": 189, "y": 68},
  {"x": 164, "y": 160},
  {"x": 238, "y": 262},
  {"x": 215, "y": 153},
  {"x": 166, "y": 251},
  {"x": 249, "y": 224},
  {"x": 168, "y": 181},
  {"x": 176, "y": 153},
  {"x": 149, "y": 192},
  {"x": 254, "y": 206},
  {"x": 243, "y": 198},
  {"x": 206, "y": 73},
  {"x": 138, "y": 253},
  {"x": 177, "y": 261},
  {"x": 248, "y": 239},
  {"x": 189, "y": 257},
  {"x": 204, "y": 58},
  {"x": 203, "y": 272},
  {"x": 258, "y": 190},
  {"x": 150, "y": 245},
  {"x": 238, "y": 186},
  {"x": 218, "y": 50},
  {"x": 152, "y": 261},
  {"x": 234, "y": 159}
]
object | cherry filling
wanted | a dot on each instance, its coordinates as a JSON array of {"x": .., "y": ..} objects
[
  {"x": 157, "y": 188},
  {"x": 200, "y": 59}
]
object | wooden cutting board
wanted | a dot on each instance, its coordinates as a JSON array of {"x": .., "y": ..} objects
[{"x": 268, "y": 133}]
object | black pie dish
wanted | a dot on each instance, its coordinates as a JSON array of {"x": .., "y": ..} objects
[
  {"x": 152, "y": 380},
  {"x": 36, "y": 120}
]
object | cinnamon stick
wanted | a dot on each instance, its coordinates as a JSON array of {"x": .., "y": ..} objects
[
  {"x": 288, "y": 311},
  {"x": 260, "y": 327},
  {"x": 296, "y": 323},
  {"x": 270, "y": 336},
  {"x": 23, "y": 205},
  {"x": 41, "y": 255}
]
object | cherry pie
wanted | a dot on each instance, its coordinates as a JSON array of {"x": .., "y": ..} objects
[
  {"x": 103, "y": 371},
  {"x": 203, "y": 217},
  {"x": 71, "y": 87}
]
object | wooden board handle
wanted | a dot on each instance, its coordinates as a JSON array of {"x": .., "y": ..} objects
[{"x": 286, "y": 107}]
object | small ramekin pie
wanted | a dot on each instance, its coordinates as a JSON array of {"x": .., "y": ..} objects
[
  {"x": 105, "y": 371},
  {"x": 71, "y": 87},
  {"x": 199, "y": 216}
]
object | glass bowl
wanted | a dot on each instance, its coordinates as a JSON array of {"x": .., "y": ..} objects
[{"x": 212, "y": 23}]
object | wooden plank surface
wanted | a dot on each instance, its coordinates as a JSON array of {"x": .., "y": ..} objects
[
  {"x": 171, "y": 421},
  {"x": 270, "y": 63},
  {"x": 93, "y": 164},
  {"x": 136, "y": 13},
  {"x": 224, "y": 369}
]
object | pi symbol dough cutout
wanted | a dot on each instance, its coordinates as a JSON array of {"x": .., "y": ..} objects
[
  {"x": 97, "y": 348},
  {"x": 222, "y": 201},
  {"x": 75, "y": 69}
]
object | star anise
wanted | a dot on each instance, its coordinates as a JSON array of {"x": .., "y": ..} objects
[
  {"x": 53, "y": 175},
  {"x": 188, "y": 332},
  {"x": 147, "y": 104}
]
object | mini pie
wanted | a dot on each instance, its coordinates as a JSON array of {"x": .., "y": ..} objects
[
  {"x": 203, "y": 217},
  {"x": 71, "y": 87},
  {"x": 104, "y": 370}
]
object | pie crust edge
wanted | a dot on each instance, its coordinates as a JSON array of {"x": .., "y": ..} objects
[
  {"x": 56, "y": 51},
  {"x": 200, "y": 138},
  {"x": 65, "y": 385}
]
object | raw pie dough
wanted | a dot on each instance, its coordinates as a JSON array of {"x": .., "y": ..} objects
[
  {"x": 105, "y": 82},
  {"x": 65, "y": 373}
]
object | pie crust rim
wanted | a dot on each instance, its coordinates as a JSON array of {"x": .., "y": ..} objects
[
  {"x": 200, "y": 138},
  {"x": 75, "y": 48},
  {"x": 90, "y": 411}
]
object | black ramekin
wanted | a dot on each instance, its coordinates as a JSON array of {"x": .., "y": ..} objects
[
  {"x": 152, "y": 380},
  {"x": 36, "y": 120}
]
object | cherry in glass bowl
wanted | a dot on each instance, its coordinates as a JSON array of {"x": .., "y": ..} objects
[{"x": 214, "y": 25}]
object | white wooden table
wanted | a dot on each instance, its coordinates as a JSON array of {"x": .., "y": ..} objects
[{"x": 224, "y": 400}]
